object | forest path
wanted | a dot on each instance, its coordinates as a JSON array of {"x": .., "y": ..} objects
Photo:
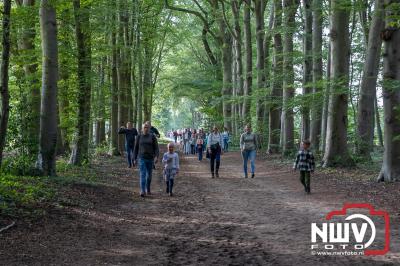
[{"x": 227, "y": 220}]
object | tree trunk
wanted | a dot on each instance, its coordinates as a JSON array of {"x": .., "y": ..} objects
[
  {"x": 325, "y": 106},
  {"x": 268, "y": 82},
  {"x": 100, "y": 121},
  {"x": 290, "y": 9},
  {"x": 391, "y": 93},
  {"x": 227, "y": 81},
  {"x": 248, "y": 82},
  {"x": 114, "y": 90},
  {"x": 307, "y": 69},
  {"x": 365, "y": 19},
  {"x": 138, "y": 74},
  {"x": 147, "y": 81},
  {"x": 5, "y": 63},
  {"x": 234, "y": 89},
  {"x": 336, "y": 152},
  {"x": 316, "y": 109},
  {"x": 238, "y": 61},
  {"x": 365, "y": 119},
  {"x": 378, "y": 122},
  {"x": 128, "y": 70},
  {"x": 46, "y": 162},
  {"x": 135, "y": 94},
  {"x": 80, "y": 152},
  {"x": 121, "y": 73},
  {"x": 276, "y": 92},
  {"x": 226, "y": 51},
  {"x": 139, "y": 100},
  {"x": 259, "y": 8}
]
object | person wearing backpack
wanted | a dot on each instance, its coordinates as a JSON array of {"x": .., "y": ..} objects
[
  {"x": 248, "y": 147},
  {"x": 146, "y": 149},
  {"x": 214, "y": 147}
]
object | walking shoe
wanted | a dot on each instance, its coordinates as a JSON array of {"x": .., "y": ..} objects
[
  {"x": 252, "y": 175},
  {"x": 142, "y": 195},
  {"x": 217, "y": 175},
  {"x": 170, "y": 194},
  {"x": 212, "y": 175},
  {"x": 245, "y": 176}
]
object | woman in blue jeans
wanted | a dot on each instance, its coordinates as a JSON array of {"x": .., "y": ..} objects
[
  {"x": 248, "y": 147},
  {"x": 146, "y": 148}
]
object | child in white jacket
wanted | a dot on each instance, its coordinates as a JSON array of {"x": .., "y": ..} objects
[{"x": 170, "y": 161}]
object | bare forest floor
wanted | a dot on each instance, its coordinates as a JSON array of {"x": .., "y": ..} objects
[{"x": 229, "y": 220}]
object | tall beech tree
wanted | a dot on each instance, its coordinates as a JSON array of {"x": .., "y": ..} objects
[
  {"x": 248, "y": 81},
  {"x": 276, "y": 90},
  {"x": 391, "y": 93},
  {"x": 114, "y": 85},
  {"x": 46, "y": 162},
  {"x": 290, "y": 9},
  {"x": 336, "y": 151},
  {"x": 80, "y": 151},
  {"x": 5, "y": 61},
  {"x": 259, "y": 10},
  {"x": 307, "y": 68},
  {"x": 238, "y": 62},
  {"x": 317, "y": 69},
  {"x": 365, "y": 119}
]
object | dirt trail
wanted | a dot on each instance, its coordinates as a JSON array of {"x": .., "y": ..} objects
[{"x": 224, "y": 221}]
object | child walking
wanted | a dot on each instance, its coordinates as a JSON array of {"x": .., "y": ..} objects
[
  {"x": 171, "y": 167},
  {"x": 199, "y": 148},
  {"x": 306, "y": 165}
]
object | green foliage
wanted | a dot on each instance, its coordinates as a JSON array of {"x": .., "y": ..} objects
[
  {"x": 22, "y": 164},
  {"x": 22, "y": 195}
]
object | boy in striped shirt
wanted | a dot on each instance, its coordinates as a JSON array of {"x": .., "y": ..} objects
[{"x": 305, "y": 164}]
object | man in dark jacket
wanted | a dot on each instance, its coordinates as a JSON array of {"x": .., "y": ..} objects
[
  {"x": 146, "y": 149},
  {"x": 130, "y": 137}
]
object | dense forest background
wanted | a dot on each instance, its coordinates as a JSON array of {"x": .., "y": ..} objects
[{"x": 73, "y": 72}]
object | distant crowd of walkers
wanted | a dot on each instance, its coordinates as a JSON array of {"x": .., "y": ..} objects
[{"x": 143, "y": 148}]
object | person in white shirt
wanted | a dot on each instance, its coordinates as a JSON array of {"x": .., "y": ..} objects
[
  {"x": 186, "y": 139},
  {"x": 214, "y": 147},
  {"x": 171, "y": 167}
]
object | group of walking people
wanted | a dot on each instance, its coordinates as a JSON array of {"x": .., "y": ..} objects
[
  {"x": 216, "y": 143},
  {"x": 142, "y": 148}
]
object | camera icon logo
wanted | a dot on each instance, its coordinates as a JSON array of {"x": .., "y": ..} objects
[{"x": 338, "y": 235}]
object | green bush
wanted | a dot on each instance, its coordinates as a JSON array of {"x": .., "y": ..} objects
[{"x": 19, "y": 165}]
